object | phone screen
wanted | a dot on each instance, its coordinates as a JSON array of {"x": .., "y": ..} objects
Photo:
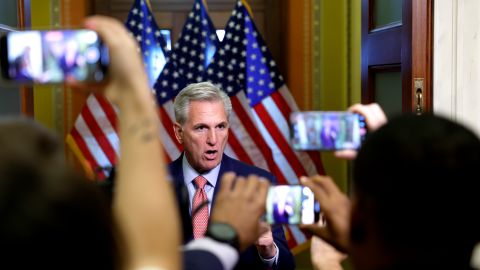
[
  {"x": 53, "y": 56},
  {"x": 318, "y": 130},
  {"x": 293, "y": 204}
]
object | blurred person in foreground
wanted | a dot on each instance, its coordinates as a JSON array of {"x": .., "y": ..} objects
[{"x": 415, "y": 198}]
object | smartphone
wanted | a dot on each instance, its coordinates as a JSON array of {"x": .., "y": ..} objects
[
  {"x": 291, "y": 204},
  {"x": 327, "y": 131},
  {"x": 49, "y": 57}
]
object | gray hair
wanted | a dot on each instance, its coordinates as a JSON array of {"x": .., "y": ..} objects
[{"x": 203, "y": 91}]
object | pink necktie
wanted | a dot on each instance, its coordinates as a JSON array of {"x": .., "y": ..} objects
[{"x": 200, "y": 217}]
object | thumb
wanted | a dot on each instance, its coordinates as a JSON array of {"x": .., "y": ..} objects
[{"x": 324, "y": 233}]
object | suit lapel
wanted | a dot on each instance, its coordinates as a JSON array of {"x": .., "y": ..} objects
[
  {"x": 224, "y": 167},
  {"x": 183, "y": 200}
]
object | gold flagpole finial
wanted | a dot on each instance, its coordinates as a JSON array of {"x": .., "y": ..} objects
[{"x": 247, "y": 6}]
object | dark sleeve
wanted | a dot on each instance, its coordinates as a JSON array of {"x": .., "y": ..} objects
[
  {"x": 200, "y": 260},
  {"x": 285, "y": 257}
]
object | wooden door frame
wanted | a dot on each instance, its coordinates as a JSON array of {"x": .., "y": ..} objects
[
  {"x": 422, "y": 49},
  {"x": 26, "y": 92}
]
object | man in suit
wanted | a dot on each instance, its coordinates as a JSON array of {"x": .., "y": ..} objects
[{"x": 202, "y": 121}]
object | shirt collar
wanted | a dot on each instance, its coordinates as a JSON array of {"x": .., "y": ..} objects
[{"x": 189, "y": 173}]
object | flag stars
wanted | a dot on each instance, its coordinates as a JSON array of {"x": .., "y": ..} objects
[
  {"x": 202, "y": 45},
  {"x": 189, "y": 26},
  {"x": 272, "y": 63},
  {"x": 204, "y": 33},
  {"x": 191, "y": 64},
  {"x": 252, "y": 68},
  {"x": 221, "y": 63},
  {"x": 264, "y": 48},
  {"x": 260, "y": 93},
  {"x": 245, "y": 42},
  {"x": 204, "y": 22},
  {"x": 249, "y": 90},
  {"x": 139, "y": 38},
  {"x": 250, "y": 79},
  {"x": 210, "y": 71},
  {"x": 189, "y": 75},
  {"x": 175, "y": 74},
  {"x": 163, "y": 94},
  {"x": 241, "y": 76},
  {"x": 182, "y": 60},
  {"x": 200, "y": 68},
  {"x": 229, "y": 89},
  {"x": 253, "y": 56},
  {"x": 199, "y": 78},
  {"x": 255, "y": 45},
  {"x": 175, "y": 86},
  {"x": 157, "y": 33},
  {"x": 271, "y": 85},
  {"x": 262, "y": 71},
  {"x": 164, "y": 83},
  {"x": 133, "y": 23},
  {"x": 213, "y": 37},
  {"x": 230, "y": 77},
  {"x": 261, "y": 82},
  {"x": 135, "y": 11},
  {"x": 220, "y": 74},
  {"x": 244, "y": 53}
]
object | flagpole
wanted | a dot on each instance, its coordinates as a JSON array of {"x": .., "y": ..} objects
[{"x": 247, "y": 6}]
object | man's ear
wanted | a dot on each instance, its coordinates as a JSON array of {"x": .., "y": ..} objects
[{"x": 177, "y": 129}]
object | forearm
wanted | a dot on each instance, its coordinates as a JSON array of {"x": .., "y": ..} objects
[{"x": 144, "y": 202}]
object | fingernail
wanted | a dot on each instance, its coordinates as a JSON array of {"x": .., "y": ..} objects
[{"x": 303, "y": 179}]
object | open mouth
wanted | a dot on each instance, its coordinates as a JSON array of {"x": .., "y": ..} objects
[{"x": 211, "y": 154}]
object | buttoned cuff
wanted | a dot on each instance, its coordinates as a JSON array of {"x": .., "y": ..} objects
[
  {"x": 271, "y": 261},
  {"x": 227, "y": 255}
]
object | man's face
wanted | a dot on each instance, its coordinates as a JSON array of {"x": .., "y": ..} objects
[{"x": 204, "y": 134}]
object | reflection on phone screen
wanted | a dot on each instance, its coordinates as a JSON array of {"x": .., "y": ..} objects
[
  {"x": 54, "y": 56},
  {"x": 290, "y": 205},
  {"x": 326, "y": 130}
]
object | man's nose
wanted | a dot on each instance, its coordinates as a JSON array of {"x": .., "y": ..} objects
[{"x": 211, "y": 137}]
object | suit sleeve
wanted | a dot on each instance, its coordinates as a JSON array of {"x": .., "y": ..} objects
[{"x": 206, "y": 253}]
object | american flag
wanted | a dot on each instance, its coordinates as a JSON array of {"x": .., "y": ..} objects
[
  {"x": 187, "y": 63},
  {"x": 93, "y": 138},
  {"x": 262, "y": 104}
]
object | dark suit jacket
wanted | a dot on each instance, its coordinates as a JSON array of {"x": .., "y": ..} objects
[{"x": 249, "y": 259}]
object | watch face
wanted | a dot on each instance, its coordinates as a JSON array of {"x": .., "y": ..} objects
[{"x": 223, "y": 231}]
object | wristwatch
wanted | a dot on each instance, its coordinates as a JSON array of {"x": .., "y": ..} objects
[{"x": 223, "y": 232}]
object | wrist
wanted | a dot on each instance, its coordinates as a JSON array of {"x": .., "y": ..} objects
[{"x": 267, "y": 251}]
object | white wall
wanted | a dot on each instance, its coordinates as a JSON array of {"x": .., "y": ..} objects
[{"x": 456, "y": 61}]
